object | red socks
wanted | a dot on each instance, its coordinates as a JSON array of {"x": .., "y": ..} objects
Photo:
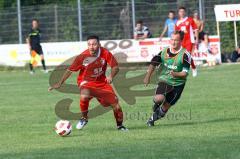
[
  {"x": 118, "y": 114},
  {"x": 192, "y": 64}
]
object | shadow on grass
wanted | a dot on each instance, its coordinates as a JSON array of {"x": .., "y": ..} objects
[{"x": 144, "y": 126}]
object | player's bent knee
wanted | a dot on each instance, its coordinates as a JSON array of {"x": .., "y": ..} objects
[
  {"x": 159, "y": 98},
  {"x": 84, "y": 97},
  {"x": 85, "y": 94},
  {"x": 116, "y": 106}
]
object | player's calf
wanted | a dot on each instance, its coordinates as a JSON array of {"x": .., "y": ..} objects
[
  {"x": 158, "y": 113},
  {"x": 157, "y": 100},
  {"x": 118, "y": 114},
  {"x": 84, "y": 104}
]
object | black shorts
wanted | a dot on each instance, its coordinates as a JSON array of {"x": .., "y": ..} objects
[
  {"x": 38, "y": 50},
  {"x": 201, "y": 35},
  {"x": 171, "y": 93}
]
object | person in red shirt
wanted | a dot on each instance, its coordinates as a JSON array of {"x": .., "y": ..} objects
[
  {"x": 188, "y": 26},
  {"x": 92, "y": 81}
]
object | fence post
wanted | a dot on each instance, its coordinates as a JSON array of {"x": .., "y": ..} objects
[
  {"x": 133, "y": 15},
  {"x": 200, "y": 9},
  {"x": 79, "y": 20},
  {"x": 56, "y": 21},
  {"x": 19, "y": 22},
  {"x": 235, "y": 34}
]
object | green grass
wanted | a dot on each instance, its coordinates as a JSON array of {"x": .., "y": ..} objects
[{"x": 204, "y": 124}]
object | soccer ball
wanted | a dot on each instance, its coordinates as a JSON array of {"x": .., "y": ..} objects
[{"x": 63, "y": 128}]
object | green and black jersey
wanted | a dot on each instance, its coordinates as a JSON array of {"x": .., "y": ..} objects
[
  {"x": 168, "y": 61},
  {"x": 34, "y": 37}
]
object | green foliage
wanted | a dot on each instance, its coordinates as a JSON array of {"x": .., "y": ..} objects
[
  {"x": 69, "y": 30},
  {"x": 227, "y": 36}
]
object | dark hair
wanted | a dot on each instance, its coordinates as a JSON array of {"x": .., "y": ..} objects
[
  {"x": 171, "y": 11},
  {"x": 93, "y": 37},
  {"x": 35, "y": 20},
  {"x": 139, "y": 22},
  {"x": 181, "y": 7},
  {"x": 181, "y": 33}
]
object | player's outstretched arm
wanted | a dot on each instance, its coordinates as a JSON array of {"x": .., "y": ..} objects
[
  {"x": 163, "y": 32},
  {"x": 65, "y": 76},
  {"x": 150, "y": 71},
  {"x": 196, "y": 32},
  {"x": 114, "y": 72}
]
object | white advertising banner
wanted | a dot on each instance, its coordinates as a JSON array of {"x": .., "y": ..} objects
[
  {"x": 127, "y": 50},
  {"x": 228, "y": 12}
]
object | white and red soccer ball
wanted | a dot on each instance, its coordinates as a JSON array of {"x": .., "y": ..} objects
[{"x": 63, "y": 127}]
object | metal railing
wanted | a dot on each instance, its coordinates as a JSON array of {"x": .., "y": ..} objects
[{"x": 109, "y": 19}]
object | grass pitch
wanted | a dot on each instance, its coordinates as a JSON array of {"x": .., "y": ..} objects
[{"x": 204, "y": 124}]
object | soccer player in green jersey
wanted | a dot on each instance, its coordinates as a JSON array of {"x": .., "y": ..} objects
[{"x": 174, "y": 63}]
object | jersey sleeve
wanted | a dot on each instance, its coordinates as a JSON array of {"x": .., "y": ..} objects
[
  {"x": 111, "y": 60},
  {"x": 156, "y": 60},
  {"x": 77, "y": 64},
  {"x": 146, "y": 30},
  {"x": 166, "y": 23},
  {"x": 186, "y": 62}
]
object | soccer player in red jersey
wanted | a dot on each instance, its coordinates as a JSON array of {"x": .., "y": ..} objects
[
  {"x": 92, "y": 81},
  {"x": 188, "y": 26}
]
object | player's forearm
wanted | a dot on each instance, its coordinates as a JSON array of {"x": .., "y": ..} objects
[
  {"x": 135, "y": 37},
  {"x": 65, "y": 76},
  {"x": 201, "y": 28},
  {"x": 142, "y": 37},
  {"x": 162, "y": 34},
  {"x": 145, "y": 36},
  {"x": 147, "y": 78},
  {"x": 150, "y": 71},
  {"x": 114, "y": 71},
  {"x": 164, "y": 31},
  {"x": 196, "y": 34},
  {"x": 182, "y": 74}
]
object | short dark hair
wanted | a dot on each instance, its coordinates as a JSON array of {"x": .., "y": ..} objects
[
  {"x": 195, "y": 11},
  {"x": 181, "y": 7},
  {"x": 139, "y": 22},
  {"x": 181, "y": 33},
  {"x": 35, "y": 20},
  {"x": 93, "y": 37},
  {"x": 171, "y": 11}
]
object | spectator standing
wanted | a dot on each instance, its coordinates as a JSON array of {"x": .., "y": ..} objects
[{"x": 169, "y": 26}]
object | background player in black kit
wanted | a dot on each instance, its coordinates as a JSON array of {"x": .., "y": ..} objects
[{"x": 33, "y": 41}]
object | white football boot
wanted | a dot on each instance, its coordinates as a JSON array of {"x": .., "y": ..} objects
[{"x": 82, "y": 122}]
